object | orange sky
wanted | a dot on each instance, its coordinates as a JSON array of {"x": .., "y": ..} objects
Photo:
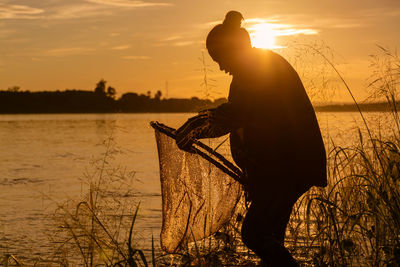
[{"x": 139, "y": 45}]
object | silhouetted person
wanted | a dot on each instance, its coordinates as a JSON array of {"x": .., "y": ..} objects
[{"x": 274, "y": 133}]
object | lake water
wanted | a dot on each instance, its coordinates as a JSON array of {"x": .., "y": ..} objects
[{"x": 45, "y": 157}]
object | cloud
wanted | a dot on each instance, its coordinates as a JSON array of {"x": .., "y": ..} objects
[
  {"x": 177, "y": 40},
  {"x": 277, "y": 29},
  {"x": 260, "y": 20},
  {"x": 93, "y": 8},
  {"x": 19, "y": 12},
  {"x": 68, "y": 51},
  {"x": 347, "y": 25},
  {"x": 64, "y": 11},
  {"x": 75, "y": 11},
  {"x": 171, "y": 38},
  {"x": 183, "y": 43},
  {"x": 136, "y": 57},
  {"x": 121, "y": 47},
  {"x": 289, "y": 32},
  {"x": 210, "y": 24},
  {"x": 128, "y": 3},
  {"x": 72, "y": 10}
]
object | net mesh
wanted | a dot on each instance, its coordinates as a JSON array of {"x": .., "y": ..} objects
[{"x": 198, "y": 193}]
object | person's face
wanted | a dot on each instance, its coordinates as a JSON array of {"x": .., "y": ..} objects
[
  {"x": 224, "y": 67},
  {"x": 226, "y": 62}
]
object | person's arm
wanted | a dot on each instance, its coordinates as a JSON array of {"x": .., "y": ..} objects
[{"x": 210, "y": 124}]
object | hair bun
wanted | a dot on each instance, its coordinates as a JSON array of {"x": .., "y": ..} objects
[{"x": 233, "y": 19}]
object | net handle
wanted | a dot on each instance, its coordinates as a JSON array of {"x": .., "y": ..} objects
[{"x": 226, "y": 166}]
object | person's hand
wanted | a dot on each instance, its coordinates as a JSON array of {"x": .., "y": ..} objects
[
  {"x": 184, "y": 140},
  {"x": 190, "y": 131}
]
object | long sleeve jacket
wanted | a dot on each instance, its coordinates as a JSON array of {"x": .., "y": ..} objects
[{"x": 273, "y": 128}]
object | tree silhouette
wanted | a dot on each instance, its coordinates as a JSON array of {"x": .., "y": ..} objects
[
  {"x": 111, "y": 92},
  {"x": 101, "y": 87},
  {"x": 13, "y": 89},
  {"x": 158, "y": 95}
]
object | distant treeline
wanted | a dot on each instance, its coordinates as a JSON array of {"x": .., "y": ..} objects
[
  {"x": 103, "y": 99},
  {"x": 78, "y": 101}
]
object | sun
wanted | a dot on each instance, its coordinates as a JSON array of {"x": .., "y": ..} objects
[{"x": 262, "y": 36}]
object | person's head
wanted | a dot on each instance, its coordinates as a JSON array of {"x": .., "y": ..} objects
[{"x": 227, "y": 42}]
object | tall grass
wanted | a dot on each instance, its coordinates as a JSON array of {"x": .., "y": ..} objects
[
  {"x": 355, "y": 221},
  {"x": 97, "y": 230}
]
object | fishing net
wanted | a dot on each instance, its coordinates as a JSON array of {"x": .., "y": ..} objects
[{"x": 199, "y": 190}]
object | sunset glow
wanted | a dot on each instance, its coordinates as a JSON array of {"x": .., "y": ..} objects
[
  {"x": 138, "y": 45},
  {"x": 262, "y": 36},
  {"x": 265, "y": 33}
]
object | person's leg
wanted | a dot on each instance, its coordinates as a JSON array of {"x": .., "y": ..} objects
[{"x": 263, "y": 232}]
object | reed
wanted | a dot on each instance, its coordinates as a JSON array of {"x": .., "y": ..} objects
[
  {"x": 356, "y": 219},
  {"x": 98, "y": 229}
]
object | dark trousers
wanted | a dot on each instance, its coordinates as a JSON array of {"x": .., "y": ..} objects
[{"x": 263, "y": 229}]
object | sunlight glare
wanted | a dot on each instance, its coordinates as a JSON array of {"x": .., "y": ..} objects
[{"x": 262, "y": 36}]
